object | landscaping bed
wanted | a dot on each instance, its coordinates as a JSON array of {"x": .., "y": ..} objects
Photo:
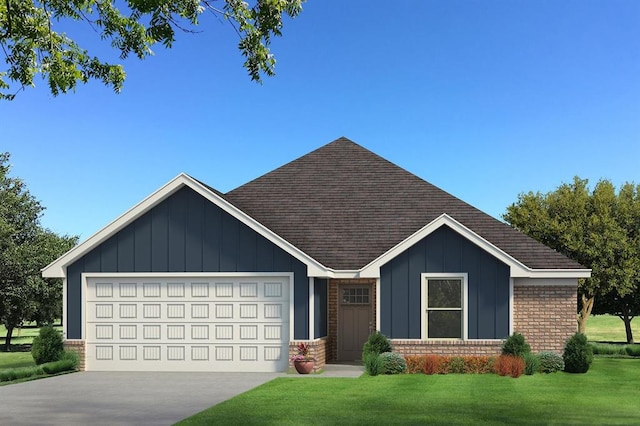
[{"x": 607, "y": 394}]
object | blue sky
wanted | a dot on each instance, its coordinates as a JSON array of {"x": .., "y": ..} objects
[{"x": 485, "y": 99}]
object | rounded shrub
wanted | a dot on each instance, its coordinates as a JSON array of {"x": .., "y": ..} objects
[
  {"x": 531, "y": 364},
  {"x": 47, "y": 346},
  {"x": 392, "y": 363},
  {"x": 550, "y": 362},
  {"x": 578, "y": 355},
  {"x": 516, "y": 345},
  {"x": 377, "y": 343}
]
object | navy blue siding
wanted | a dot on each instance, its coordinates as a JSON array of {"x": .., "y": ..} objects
[
  {"x": 320, "y": 307},
  {"x": 187, "y": 233},
  {"x": 445, "y": 250}
]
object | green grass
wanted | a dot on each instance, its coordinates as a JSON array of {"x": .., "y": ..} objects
[
  {"x": 16, "y": 360},
  {"x": 610, "y": 328},
  {"x": 607, "y": 394}
]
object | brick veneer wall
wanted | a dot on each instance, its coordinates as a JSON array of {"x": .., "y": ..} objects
[
  {"x": 317, "y": 349},
  {"x": 333, "y": 310},
  {"x": 545, "y": 315},
  {"x": 447, "y": 347},
  {"x": 79, "y": 347}
]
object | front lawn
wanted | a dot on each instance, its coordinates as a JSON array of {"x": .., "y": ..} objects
[
  {"x": 610, "y": 328},
  {"x": 607, "y": 394},
  {"x": 16, "y": 360}
]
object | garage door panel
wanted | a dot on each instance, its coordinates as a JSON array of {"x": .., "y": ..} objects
[{"x": 213, "y": 324}]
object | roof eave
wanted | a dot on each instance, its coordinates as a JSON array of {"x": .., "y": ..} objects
[{"x": 57, "y": 269}]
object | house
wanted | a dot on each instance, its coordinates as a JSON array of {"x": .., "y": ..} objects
[{"x": 325, "y": 250}]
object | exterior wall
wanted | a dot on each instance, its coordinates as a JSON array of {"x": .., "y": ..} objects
[
  {"x": 79, "y": 347},
  {"x": 545, "y": 314},
  {"x": 333, "y": 311},
  {"x": 187, "y": 233},
  {"x": 444, "y": 250},
  {"x": 317, "y": 349},
  {"x": 320, "y": 321},
  {"x": 448, "y": 347}
]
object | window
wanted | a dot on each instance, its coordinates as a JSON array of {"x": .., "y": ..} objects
[
  {"x": 444, "y": 306},
  {"x": 355, "y": 296}
]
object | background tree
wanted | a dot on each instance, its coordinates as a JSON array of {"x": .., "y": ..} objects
[
  {"x": 25, "y": 248},
  {"x": 599, "y": 229},
  {"x": 34, "y": 41}
]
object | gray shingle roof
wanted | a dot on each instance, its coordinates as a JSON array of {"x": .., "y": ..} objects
[{"x": 345, "y": 206}]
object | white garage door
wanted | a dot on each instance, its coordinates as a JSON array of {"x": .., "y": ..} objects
[{"x": 187, "y": 323}]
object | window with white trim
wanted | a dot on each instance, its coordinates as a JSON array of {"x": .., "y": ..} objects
[{"x": 444, "y": 300}]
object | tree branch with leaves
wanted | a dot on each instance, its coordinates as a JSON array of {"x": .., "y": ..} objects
[{"x": 33, "y": 43}]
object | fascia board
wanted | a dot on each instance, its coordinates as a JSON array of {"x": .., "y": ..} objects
[
  {"x": 517, "y": 268},
  {"x": 57, "y": 269},
  {"x": 314, "y": 268}
]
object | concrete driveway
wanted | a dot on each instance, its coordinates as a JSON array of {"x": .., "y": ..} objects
[{"x": 111, "y": 398}]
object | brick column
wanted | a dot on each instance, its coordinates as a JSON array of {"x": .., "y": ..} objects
[
  {"x": 78, "y": 347},
  {"x": 545, "y": 315}
]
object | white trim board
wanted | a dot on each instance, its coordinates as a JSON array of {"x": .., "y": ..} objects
[
  {"x": 517, "y": 268},
  {"x": 57, "y": 269}
]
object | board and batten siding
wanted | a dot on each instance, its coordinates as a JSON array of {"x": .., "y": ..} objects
[
  {"x": 320, "y": 307},
  {"x": 444, "y": 250},
  {"x": 187, "y": 233}
]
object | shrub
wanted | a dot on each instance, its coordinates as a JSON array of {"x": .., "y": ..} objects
[
  {"x": 550, "y": 362},
  {"x": 377, "y": 343},
  {"x": 71, "y": 356},
  {"x": 59, "y": 366},
  {"x": 372, "y": 364},
  {"x": 478, "y": 364},
  {"x": 431, "y": 364},
  {"x": 516, "y": 345},
  {"x": 392, "y": 363},
  {"x": 47, "y": 346},
  {"x": 607, "y": 349},
  {"x": 456, "y": 365},
  {"x": 632, "y": 350},
  {"x": 531, "y": 364},
  {"x": 414, "y": 363},
  {"x": 577, "y": 355},
  {"x": 509, "y": 365},
  {"x": 11, "y": 374}
]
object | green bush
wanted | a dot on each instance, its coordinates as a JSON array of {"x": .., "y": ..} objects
[
  {"x": 550, "y": 362},
  {"x": 11, "y": 374},
  {"x": 531, "y": 363},
  {"x": 71, "y": 356},
  {"x": 607, "y": 349},
  {"x": 372, "y": 364},
  {"x": 377, "y": 343},
  {"x": 59, "y": 366},
  {"x": 392, "y": 363},
  {"x": 516, "y": 345},
  {"x": 457, "y": 365},
  {"x": 632, "y": 350},
  {"x": 577, "y": 355},
  {"x": 47, "y": 346}
]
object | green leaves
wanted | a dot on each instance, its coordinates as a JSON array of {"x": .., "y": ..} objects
[{"x": 32, "y": 45}]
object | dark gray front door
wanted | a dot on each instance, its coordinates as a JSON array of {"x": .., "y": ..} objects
[{"x": 355, "y": 320}]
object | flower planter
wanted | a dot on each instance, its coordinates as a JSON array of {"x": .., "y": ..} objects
[{"x": 304, "y": 367}]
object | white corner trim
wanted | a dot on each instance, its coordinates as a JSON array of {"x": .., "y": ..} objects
[
  {"x": 378, "y": 304},
  {"x": 511, "y": 307},
  {"x": 57, "y": 269},
  {"x": 517, "y": 268},
  {"x": 311, "y": 307}
]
